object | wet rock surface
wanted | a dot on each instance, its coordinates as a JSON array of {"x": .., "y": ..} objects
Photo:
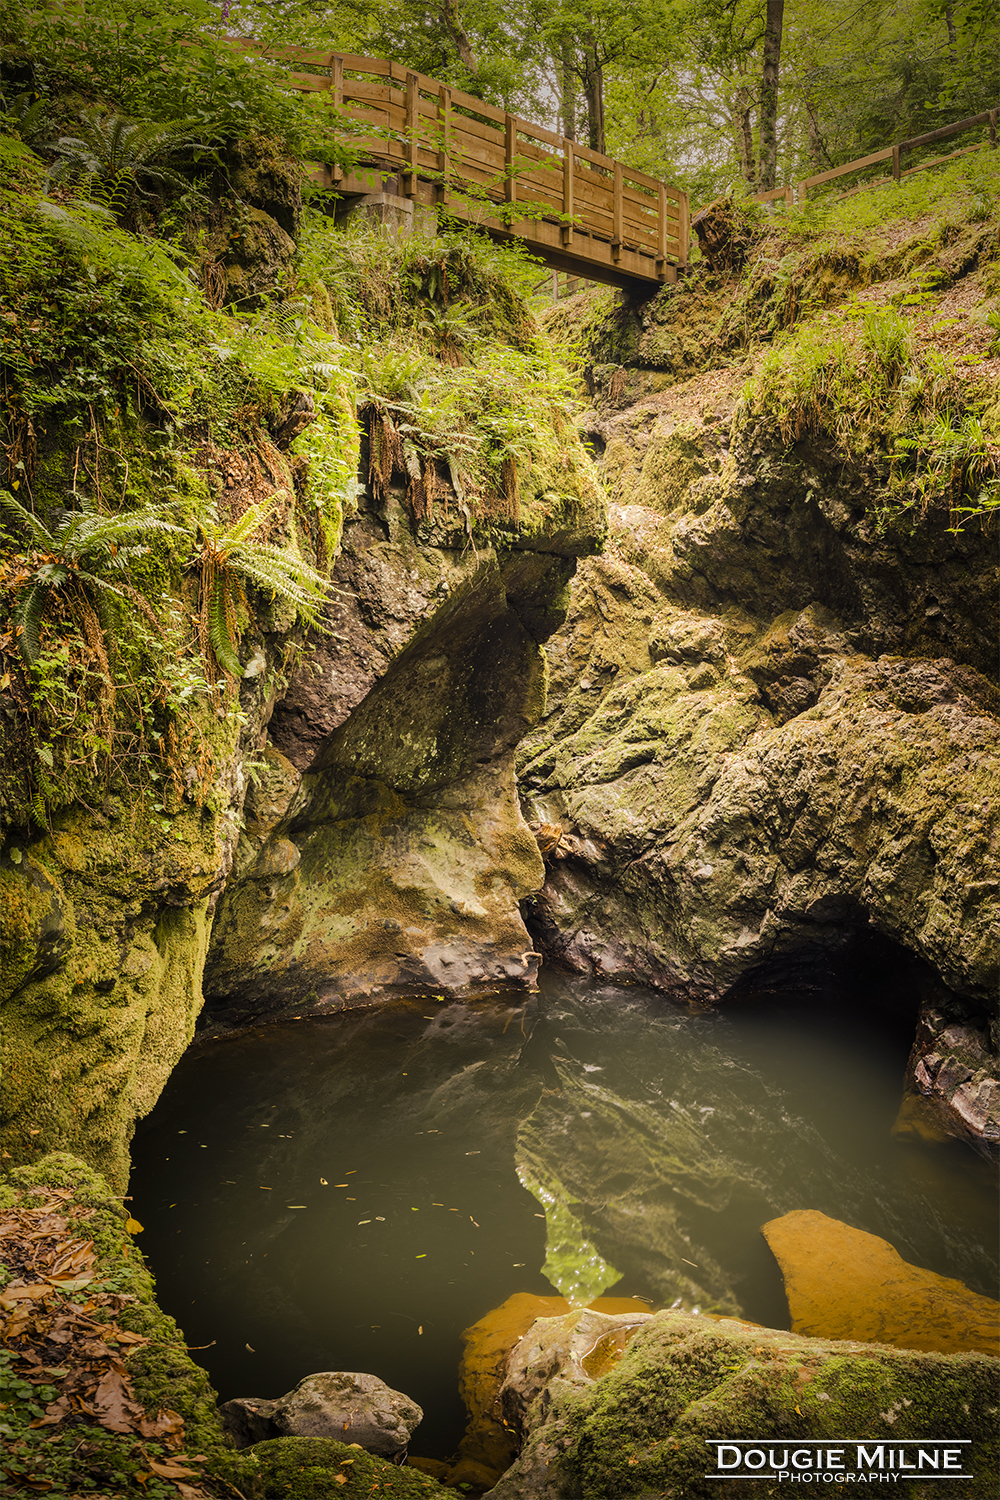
[
  {"x": 399, "y": 858},
  {"x": 769, "y": 728},
  {"x": 644, "y": 1428},
  {"x": 348, "y": 1406},
  {"x": 844, "y": 1283},
  {"x": 490, "y": 1443}
]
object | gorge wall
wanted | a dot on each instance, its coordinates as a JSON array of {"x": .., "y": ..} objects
[{"x": 770, "y": 736}]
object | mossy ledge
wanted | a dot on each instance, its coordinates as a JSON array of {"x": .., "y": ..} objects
[
  {"x": 644, "y": 1428},
  {"x": 79, "y": 1455}
]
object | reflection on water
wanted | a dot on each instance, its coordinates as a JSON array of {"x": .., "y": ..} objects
[{"x": 352, "y": 1193}]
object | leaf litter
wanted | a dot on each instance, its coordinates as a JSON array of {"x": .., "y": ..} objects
[{"x": 74, "y": 1345}]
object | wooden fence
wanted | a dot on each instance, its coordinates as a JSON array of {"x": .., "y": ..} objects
[
  {"x": 895, "y": 154},
  {"x": 576, "y": 209}
]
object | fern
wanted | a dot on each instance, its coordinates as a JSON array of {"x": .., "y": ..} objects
[
  {"x": 28, "y": 618},
  {"x": 115, "y": 155},
  {"x": 229, "y": 555},
  {"x": 222, "y": 629},
  {"x": 72, "y": 553}
]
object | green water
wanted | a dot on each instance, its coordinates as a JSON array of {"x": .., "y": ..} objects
[{"x": 350, "y": 1193}]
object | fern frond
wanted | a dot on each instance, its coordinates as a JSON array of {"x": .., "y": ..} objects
[
  {"x": 28, "y": 617},
  {"x": 40, "y": 533},
  {"x": 222, "y": 642},
  {"x": 240, "y": 532}
]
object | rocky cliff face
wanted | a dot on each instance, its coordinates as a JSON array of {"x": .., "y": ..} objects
[
  {"x": 394, "y": 855},
  {"x": 769, "y": 727},
  {"x": 374, "y": 840}
]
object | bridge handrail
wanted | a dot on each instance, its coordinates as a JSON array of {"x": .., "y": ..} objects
[{"x": 893, "y": 153}]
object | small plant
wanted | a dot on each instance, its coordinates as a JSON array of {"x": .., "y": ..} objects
[
  {"x": 116, "y": 156},
  {"x": 73, "y": 555},
  {"x": 230, "y": 558}
]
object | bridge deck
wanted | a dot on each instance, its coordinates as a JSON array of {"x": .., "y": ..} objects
[{"x": 577, "y": 210}]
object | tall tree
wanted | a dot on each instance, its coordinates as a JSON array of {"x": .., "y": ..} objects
[{"x": 773, "y": 22}]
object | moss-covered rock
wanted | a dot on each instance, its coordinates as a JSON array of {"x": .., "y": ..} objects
[
  {"x": 296, "y": 1468},
  {"x": 771, "y": 723},
  {"x": 647, "y": 1426},
  {"x": 401, "y": 858},
  {"x": 117, "y": 1306}
]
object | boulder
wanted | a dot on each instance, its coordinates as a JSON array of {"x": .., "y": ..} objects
[
  {"x": 644, "y": 1428},
  {"x": 318, "y": 1468},
  {"x": 350, "y": 1407},
  {"x": 489, "y": 1444},
  {"x": 842, "y": 1283}
]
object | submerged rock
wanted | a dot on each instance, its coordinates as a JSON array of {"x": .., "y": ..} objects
[
  {"x": 842, "y": 1283},
  {"x": 489, "y": 1445},
  {"x": 353, "y": 1408},
  {"x": 645, "y": 1428}
]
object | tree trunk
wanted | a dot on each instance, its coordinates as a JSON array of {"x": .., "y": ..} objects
[
  {"x": 769, "y": 93},
  {"x": 567, "y": 90},
  {"x": 819, "y": 157},
  {"x": 744, "y": 137},
  {"x": 949, "y": 20},
  {"x": 456, "y": 31},
  {"x": 593, "y": 93}
]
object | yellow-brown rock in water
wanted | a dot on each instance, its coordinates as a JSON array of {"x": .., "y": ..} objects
[
  {"x": 488, "y": 1447},
  {"x": 842, "y": 1283}
]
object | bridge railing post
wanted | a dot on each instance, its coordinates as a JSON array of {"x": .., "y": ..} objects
[
  {"x": 661, "y": 232},
  {"x": 569, "y": 165},
  {"x": 412, "y": 136},
  {"x": 337, "y": 100},
  {"x": 444, "y": 146},
  {"x": 618, "y": 214},
  {"x": 683, "y": 227},
  {"x": 509, "y": 155}
]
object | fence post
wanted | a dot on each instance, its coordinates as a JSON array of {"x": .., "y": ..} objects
[
  {"x": 337, "y": 100},
  {"x": 896, "y": 152},
  {"x": 444, "y": 133},
  {"x": 618, "y": 214},
  {"x": 412, "y": 126},
  {"x": 568, "y": 209},
  {"x": 802, "y": 196},
  {"x": 683, "y": 227},
  {"x": 509, "y": 152},
  {"x": 661, "y": 231},
  {"x": 993, "y": 127}
]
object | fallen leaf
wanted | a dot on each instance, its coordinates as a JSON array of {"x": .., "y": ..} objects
[
  {"x": 132, "y": 1225},
  {"x": 171, "y": 1469}
]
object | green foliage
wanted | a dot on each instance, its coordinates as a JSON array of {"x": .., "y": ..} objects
[
  {"x": 113, "y": 156},
  {"x": 858, "y": 377},
  {"x": 232, "y": 556},
  {"x": 73, "y": 554},
  {"x": 164, "y": 62}
]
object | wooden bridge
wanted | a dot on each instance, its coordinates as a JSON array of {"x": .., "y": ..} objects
[{"x": 575, "y": 209}]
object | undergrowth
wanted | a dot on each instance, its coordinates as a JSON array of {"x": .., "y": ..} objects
[
  {"x": 858, "y": 376},
  {"x": 234, "y": 433}
]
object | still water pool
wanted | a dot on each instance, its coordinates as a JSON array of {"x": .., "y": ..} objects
[{"x": 350, "y": 1193}]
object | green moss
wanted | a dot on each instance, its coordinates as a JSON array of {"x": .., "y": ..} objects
[
  {"x": 642, "y": 1428},
  {"x": 296, "y": 1468},
  {"x": 163, "y": 1375}
]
